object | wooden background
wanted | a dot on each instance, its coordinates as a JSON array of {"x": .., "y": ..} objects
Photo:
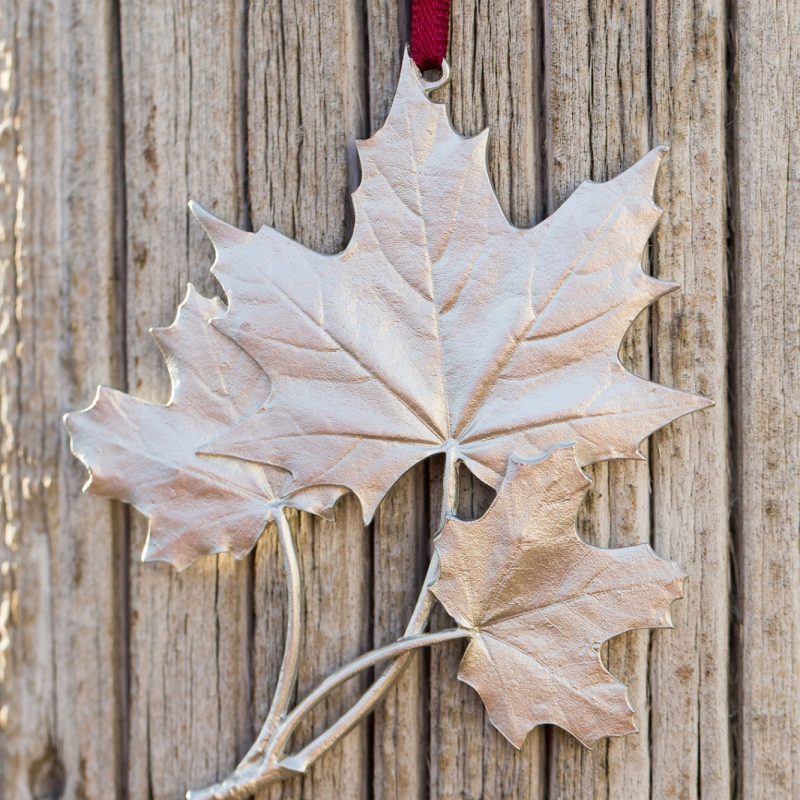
[{"x": 125, "y": 680}]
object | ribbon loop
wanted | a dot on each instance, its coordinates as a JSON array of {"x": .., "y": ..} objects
[{"x": 430, "y": 28}]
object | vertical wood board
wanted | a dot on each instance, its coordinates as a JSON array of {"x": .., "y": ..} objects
[
  {"x": 766, "y": 279},
  {"x": 690, "y": 665},
  {"x": 597, "y": 126},
  {"x": 62, "y": 676},
  {"x": 189, "y": 645}
]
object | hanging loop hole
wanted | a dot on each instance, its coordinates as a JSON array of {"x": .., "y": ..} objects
[{"x": 433, "y": 85}]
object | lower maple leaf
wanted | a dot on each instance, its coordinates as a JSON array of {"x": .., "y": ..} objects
[{"x": 540, "y": 602}]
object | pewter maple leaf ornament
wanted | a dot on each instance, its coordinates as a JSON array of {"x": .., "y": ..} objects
[
  {"x": 538, "y": 603},
  {"x": 442, "y": 326},
  {"x": 145, "y": 454}
]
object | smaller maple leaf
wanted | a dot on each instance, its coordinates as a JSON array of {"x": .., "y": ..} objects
[
  {"x": 540, "y": 602},
  {"x": 146, "y": 454}
]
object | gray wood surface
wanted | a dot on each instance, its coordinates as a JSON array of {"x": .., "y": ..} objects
[
  {"x": 182, "y": 139},
  {"x": 690, "y": 667},
  {"x": 119, "y": 679},
  {"x": 764, "y": 215},
  {"x": 63, "y": 672}
]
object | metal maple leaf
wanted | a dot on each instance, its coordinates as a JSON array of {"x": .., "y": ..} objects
[
  {"x": 145, "y": 454},
  {"x": 538, "y": 602},
  {"x": 442, "y": 327}
]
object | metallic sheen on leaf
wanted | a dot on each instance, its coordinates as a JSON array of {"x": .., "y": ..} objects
[
  {"x": 540, "y": 602},
  {"x": 145, "y": 454},
  {"x": 442, "y": 325}
]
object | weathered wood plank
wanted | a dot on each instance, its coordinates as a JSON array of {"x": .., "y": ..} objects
[
  {"x": 306, "y": 106},
  {"x": 334, "y": 560},
  {"x": 388, "y": 30},
  {"x": 401, "y": 553},
  {"x": 183, "y": 139},
  {"x": 689, "y": 667},
  {"x": 596, "y": 79},
  {"x": 62, "y": 675},
  {"x": 401, "y": 541},
  {"x": 766, "y": 275},
  {"x": 494, "y": 55}
]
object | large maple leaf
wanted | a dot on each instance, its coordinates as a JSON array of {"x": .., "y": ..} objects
[
  {"x": 146, "y": 454},
  {"x": 539, "y": 602},
  {"x": 442, "y": 326}
]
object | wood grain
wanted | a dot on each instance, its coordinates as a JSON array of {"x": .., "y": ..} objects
[
  {"x": 597, "y": 126},
  {"x": 401, "y": 553},
  {"x": 189, "y": 644},
  {"x": 62, "y": 676},
  {"x": 766, "y": 280},
  {"x": 306, "y": 92},
  {"x": 689, "y": 667}
]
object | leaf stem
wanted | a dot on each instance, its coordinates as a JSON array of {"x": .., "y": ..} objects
[
  {"x": 287, "y": 677},
  {"x": 449, "y": 485},
  {"x": 374, "y": 694},
  {"x": 249, "y": 778},
  {"x": 264, "y": 762},
  {"x": 416, "y": 625}
]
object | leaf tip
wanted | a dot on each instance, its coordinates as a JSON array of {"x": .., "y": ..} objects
[
  {"x": 654, "y": 159},
  {"x": 667, "y": 287},
  {"x": 658, "y": 154},
  {"x": 643, "y": 173},
  {"x": 369, "y": 505},
  {"x": 78, "y": 424},
  {"x": 697, "y": 402},
  {"x": 704, "y": 402},
  {"x": 515, "y": 741},
  {"x": 221, "y": 233},
  {"x": 151, "y": 554},
  {"x": 622, "y": 725},
  {"x": 320, "y": 500},
  {"x": 67, "y": 420}
]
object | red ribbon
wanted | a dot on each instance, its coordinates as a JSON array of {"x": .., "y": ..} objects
[{"x": 430, "y": 28}]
